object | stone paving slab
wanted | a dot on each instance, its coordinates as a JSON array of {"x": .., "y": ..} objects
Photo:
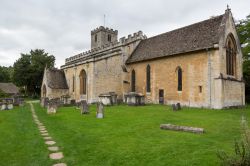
[
  {"x": 56, "y": 156},
  {"x": 53, "y": 148},
  {"x": 45, "y": 134},
  {"x": 47, "y": 138},
  {"x": 43, "y": 131},
  {"x": 50, "y": 142}
]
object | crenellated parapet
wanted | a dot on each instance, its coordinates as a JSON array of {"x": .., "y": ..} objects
[
  {"x": 122, "y": 42},
  {"x": 102, "y": 28}
]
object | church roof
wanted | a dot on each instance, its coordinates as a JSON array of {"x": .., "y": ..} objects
[
  {"x": 9, "y": 88},
  {"x": 198, "y": 36},
  {"x": 56, "y": 79}
]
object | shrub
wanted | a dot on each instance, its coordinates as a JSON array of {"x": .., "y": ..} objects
[{"x": 241, "y": 156}]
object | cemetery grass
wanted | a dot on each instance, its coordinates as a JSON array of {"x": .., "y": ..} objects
[
  {"x": 126, "y": 136},
  {"x": 131, "y": 135},
  {"x": 20, "y": 141}
]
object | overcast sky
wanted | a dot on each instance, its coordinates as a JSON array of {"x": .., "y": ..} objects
[{"x": 62, "y": 27}]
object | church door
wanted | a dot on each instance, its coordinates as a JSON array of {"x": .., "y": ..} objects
[{"x": 161, "y": 96}]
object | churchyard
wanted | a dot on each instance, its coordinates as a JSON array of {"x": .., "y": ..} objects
[{"x": 127, "y": 135}]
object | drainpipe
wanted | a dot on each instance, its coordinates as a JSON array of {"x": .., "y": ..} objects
[
  {"x": 75, "y": 83},
  {"x": 209, "y": 78}
]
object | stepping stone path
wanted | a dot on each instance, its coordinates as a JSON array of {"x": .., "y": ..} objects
[{"x": 55, "y": 155}]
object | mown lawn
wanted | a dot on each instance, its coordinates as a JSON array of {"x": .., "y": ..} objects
[
  {"x": 20, "y": 141},
  {"x": 126, "y": 136}
]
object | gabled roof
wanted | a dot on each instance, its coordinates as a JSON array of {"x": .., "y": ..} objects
[
  {"x": 198, "y": 36},
  {"x": 9, "y": 88},
  {"x": 56, "y": 79}
]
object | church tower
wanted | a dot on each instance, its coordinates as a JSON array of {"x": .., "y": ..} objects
[{"x": 102, "y": 36}]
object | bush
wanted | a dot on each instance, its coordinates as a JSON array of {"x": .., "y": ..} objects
[
  {"x": 3, "y": 95},
  {"x": 241, "y": 155}
]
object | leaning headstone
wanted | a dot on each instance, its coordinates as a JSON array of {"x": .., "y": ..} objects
[
  {"x": 100, "y": 110},
  {"x": 84, "y": 107},
  {"x": 178, "y": 106},
  {"x": 72, "y": 102},
  {"x": 52, "y": 107},
  {"x": 174, "y": 107}
]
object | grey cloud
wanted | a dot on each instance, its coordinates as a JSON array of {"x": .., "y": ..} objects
[{"x": 62, "y": 27}]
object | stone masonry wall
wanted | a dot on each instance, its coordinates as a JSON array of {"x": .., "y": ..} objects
[{"x": 164, "y": 76}]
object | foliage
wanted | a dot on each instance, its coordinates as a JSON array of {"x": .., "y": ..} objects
[
  {"x": 28, "y": 70},
  {"x": 243, "y": 29},
  {"x": 241, "y": 149},
  {"x": 6, "y": 74},
  {"x": 3, "y": 95}
]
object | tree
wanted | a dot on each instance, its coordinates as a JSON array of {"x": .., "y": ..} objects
[
  {"x": 6, "y": 74},
  {"x": 243, "y": 29},
  {"x": 28, "y": 70}
]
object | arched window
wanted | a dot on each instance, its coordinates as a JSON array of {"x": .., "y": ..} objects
[
  {"x": 83, "y": 82},
  {"x": 73, "y": 84},
  {"x": 231, "y": 55},
  {"x": 133, "y": 81},
  {"x": 179, "y": 76},
  {"x": 148, "y": 79}
]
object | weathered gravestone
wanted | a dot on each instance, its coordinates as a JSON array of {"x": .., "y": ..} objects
[
  {"x": 182, "y": 128},
  {"x": 105, "y": 99},
  {"x": 9, "y": 103},
  {"x": 21, "y": 102},
  {"x": 84, "y": 107},
  {"x": 113, "y": 98},
  {"x": 174, "y": 107},
  {"x": 73, "y": 102},
  {"x": 178, "y": 106},
  {"x": 3, "y": 104},
  {"x": 100, "y": 110},
  {"x": 65, "y": 99},
  {"x": 52, "y": 107}
]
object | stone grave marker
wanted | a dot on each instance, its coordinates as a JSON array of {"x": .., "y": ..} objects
[
  {"x": 9, "y": 104},
  {"x": 100, "y": 110},
  {"x": 174, "y": 107},
  {"x": 21, "y": 102},
  {"x": 84, "y": 107},
  {"x": 178, "y": 106},
  {"x": 52, "y": 107}
]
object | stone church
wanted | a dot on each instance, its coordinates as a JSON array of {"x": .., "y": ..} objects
[{"x": 199, "y": 65}]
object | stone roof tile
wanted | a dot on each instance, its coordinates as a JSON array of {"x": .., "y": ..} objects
[{"x": 198, "y": 36}]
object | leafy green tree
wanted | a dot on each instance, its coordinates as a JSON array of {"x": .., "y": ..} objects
[
  {"x": 243, "y": 29},
  {"x": 28, "y": 70},
  {"x": 6, "y": 74}
]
